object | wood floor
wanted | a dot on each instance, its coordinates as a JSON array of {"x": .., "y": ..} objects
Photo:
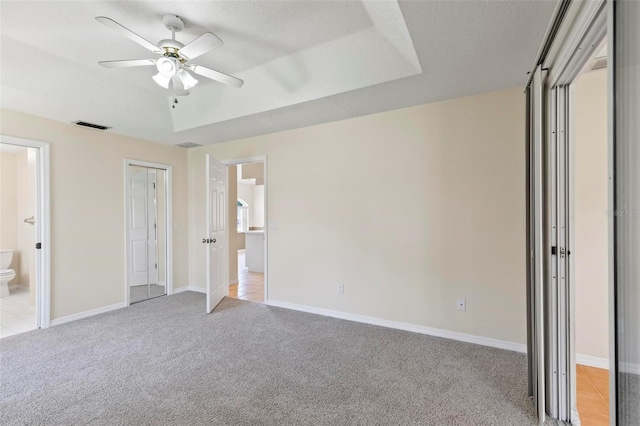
[
  {"x": 593, "y": 395},
  {"x": 250, "y": 284}
]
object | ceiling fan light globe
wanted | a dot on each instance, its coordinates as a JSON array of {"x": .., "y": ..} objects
[
  {"x": 166, "y": 66},
  {"x": 162, "y": 80},
  {"x": 187, "y": 80}
]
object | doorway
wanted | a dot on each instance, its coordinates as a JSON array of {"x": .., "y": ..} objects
[
  {"x": 590, "y": 253},
  {"x": 24, "y": 235},
  {"x": 247, "y": 247},
  {"x": 148, "y": 231}
]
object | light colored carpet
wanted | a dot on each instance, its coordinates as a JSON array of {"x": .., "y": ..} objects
[
  {"x": 139, "y": 293},
  {"x": 629, "y": 399},
  {"x": 166, "y": 362}
]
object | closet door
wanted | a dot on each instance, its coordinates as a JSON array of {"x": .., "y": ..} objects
[
  {"x": 535, "y": 241},
  {"x": 625, "y": 211},
  {"x": 557, "y": 286},
  {"x": 147, "y": 231}
]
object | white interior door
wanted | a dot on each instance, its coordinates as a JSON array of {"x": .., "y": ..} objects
[
  {"x": 138, "y": 227},
  {"x": 216, "y": 240},
  {"x": 152, "y": 222}
]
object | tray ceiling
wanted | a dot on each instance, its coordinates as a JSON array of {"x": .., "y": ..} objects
[{"x": 303, "y": 62}]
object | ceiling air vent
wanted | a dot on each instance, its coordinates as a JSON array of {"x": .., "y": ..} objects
[
  {"x": 91, "y": 125},
  {"x": 188, "y": 144}
]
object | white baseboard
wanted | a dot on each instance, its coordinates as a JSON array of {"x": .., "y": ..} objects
[
  {"x": 592, "y": 361},
  {"x": 626, "y": 367},
  {"x": 189, "y": 288},
  {"x": 87, "y": 314},
  {"x": 453, "y": 335}
]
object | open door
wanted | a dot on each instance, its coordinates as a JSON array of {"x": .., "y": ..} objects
[
  {"x": 216, "y": 240},
  {"x": 535, "y": 242},
  {"x": 138, "y": 216}
]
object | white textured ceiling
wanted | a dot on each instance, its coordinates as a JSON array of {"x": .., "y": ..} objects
[{"x": 49, "y": 52}]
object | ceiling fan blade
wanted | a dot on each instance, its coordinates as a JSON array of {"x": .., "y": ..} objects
[
  {"x": 128, "y": 63},
  {"x": 202, "y": 44},
  {"x": 216, "y": 75},
  {"x": 128, "y": 33}
]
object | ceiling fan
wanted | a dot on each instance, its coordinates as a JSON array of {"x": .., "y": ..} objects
[{"x": 174, "y": 65}]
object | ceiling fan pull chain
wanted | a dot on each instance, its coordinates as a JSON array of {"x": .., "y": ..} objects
[{"x": 175, "y": 95}]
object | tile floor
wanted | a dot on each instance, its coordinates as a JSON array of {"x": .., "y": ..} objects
[
  {"x": 17, "y": 315},
  {"x": 593, "y": 395},
  {"x": 250, "y": 284}
]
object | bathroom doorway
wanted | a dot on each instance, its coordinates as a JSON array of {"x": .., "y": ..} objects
[
  {"x": 248, "y": 239},
  {"x": 24, "y": 231},
  {"x": 148, "y": 234}
]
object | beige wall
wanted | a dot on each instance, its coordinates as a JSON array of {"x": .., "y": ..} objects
[
  {"x": 409, "y": 209},
  {"x": 26, "y": 208},
  {"x": 254, "y": 171},
  {"x": 9, "y": 206},
  {"x": 591, "y": 221},
  {"x": 87, "y": 209},
  {"x": 257, "y": 209},
  {"x": 245, "y": 193},
  {"x": 235, "y": 240},
  {"x": 253, "y": 195}
]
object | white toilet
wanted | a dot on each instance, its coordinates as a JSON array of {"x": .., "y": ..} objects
[{"x": 6, "y": 274}]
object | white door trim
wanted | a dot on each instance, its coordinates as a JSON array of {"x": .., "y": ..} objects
[
  {"x": 43, "y": 228},
  {"x": 169, "y": 221},
  {"x": 259, "y": 159}
]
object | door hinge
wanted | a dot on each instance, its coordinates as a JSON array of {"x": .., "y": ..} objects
[
  {"x": 154, "y": 185},
  {"x": 563, "y": 252},
  {"x": 156, "y": 266},
  {"x": 554, "y": 251},
  {"x": 38, "y": 246}
]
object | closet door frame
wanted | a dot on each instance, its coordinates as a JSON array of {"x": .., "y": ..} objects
[{"x": 168, "y": 223}]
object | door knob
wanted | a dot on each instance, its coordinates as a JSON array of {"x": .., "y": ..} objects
[{"x": 204, "y": 241}]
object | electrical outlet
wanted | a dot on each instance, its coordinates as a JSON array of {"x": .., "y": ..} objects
[
  {"x": 462, "y": 304},
  {"x": 340, "y": 288}
]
